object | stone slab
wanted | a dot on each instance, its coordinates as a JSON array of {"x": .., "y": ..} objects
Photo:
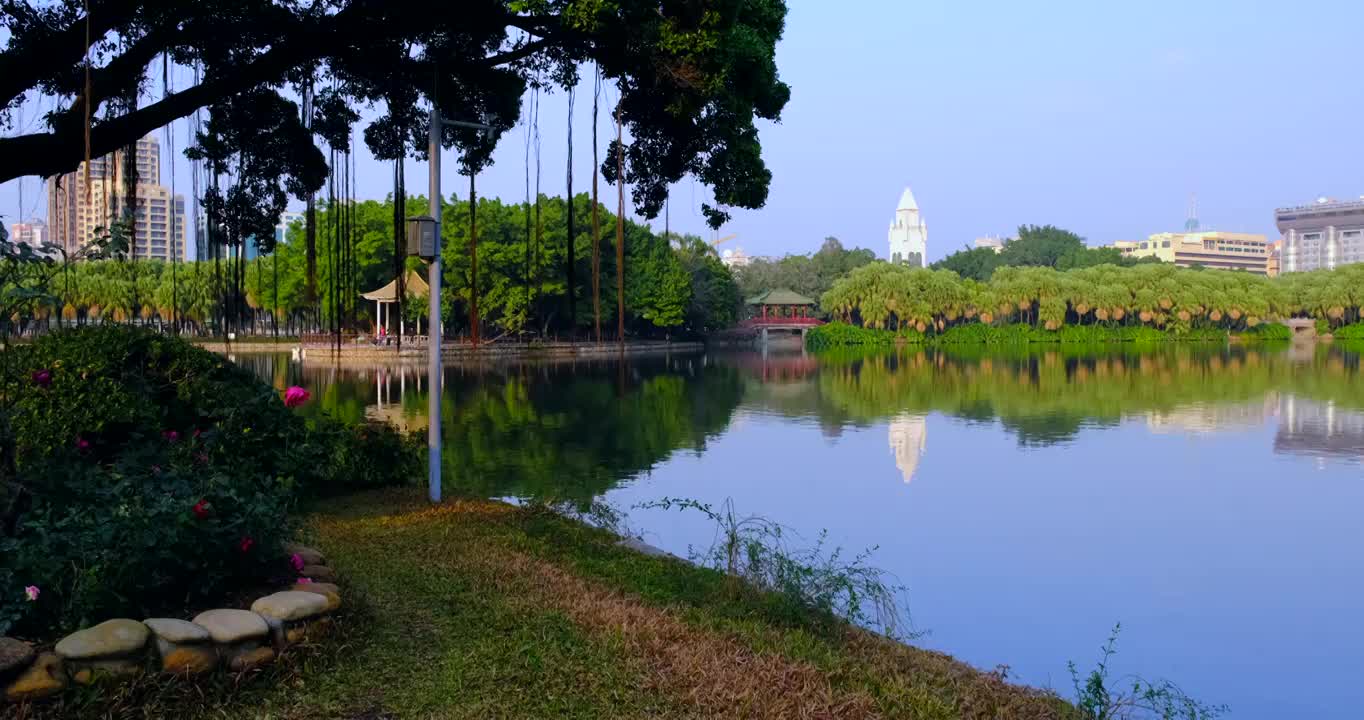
[
  {"x": 111, "y": 638},
  {"x": 290, "y": 606},
  {"x": 327, "y": 590},
  {"x": 320, "y": 573},
  {"x": 15, "y": 655},
  {"x": 232, "y": 626},
  {"x": 180, "y": 632},
  {"x": 308, "y": 555},
  {"x": 44, "y": 678}
]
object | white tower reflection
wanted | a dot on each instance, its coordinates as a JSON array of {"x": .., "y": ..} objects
[{"x": 908, "y": 439}]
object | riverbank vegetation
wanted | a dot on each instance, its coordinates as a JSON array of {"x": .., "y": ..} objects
[
  {"x": 1155, "y": 296},
  {"x": 474, "y": 609},
  {"x": 146, "y": 476}
]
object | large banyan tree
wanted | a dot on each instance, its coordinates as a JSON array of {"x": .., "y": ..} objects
[{"x": 693, "y": 76}]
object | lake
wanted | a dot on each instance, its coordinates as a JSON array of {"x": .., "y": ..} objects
[{"x": 1208, "y": 499}]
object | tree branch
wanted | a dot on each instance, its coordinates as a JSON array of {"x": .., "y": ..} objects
[{"x": 23, "y": 66}]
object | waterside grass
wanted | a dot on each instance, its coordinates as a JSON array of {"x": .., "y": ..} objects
[{"x": 477, "y": 609}]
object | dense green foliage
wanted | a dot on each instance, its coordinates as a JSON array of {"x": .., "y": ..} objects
[
  {"x": 147, "y": 475},
  {"x": 837, "y": 334},
  {"x": 1350, "y": 332},
  {"x": 1158, "y": 296},
  {"x": 692, "y": 79},
  {"x": 810, "y": 275},
  {"x": 1045, "y": 246},
  {"x": 677, "y": 286}
]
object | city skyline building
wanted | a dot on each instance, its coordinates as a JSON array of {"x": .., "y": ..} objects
[
  {"x": 1321, "y": 236},
  {"x": 1208, "y": 248},
  {"x": 908, "y": 234},
  {"x": 32, "y": 233},
  {"x": 78, "y": 208}
]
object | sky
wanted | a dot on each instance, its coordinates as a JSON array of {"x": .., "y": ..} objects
[{"x": 1101, "y": 118}]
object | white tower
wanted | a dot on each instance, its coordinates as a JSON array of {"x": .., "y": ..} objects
[{"x": 908, "y": 234}]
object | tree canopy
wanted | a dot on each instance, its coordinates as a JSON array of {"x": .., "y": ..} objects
[
  {"x": 810, "y": 275},
  {"x": 693, "y": 76},
  {"x": 1035, "y": 246}
]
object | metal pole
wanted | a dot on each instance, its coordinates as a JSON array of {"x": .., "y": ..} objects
[{"x": 433, "y": 366}]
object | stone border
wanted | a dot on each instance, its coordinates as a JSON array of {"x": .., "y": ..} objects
[{"x": 238, "y": 640}]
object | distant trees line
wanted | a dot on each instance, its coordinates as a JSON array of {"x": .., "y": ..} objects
[
  {"x": 672, "y": 284},
  {"x": 1163, "y": 296}
]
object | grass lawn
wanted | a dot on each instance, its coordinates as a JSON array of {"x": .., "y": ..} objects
[{"x": 476, "y": 609}]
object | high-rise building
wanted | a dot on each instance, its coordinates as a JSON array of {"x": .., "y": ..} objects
[
  {"x": 1209, "y": 248},
  {"x": 1323, "y": 235},
  {"x": 908, "y": 233},
  {"x": 32, "y": 233},
  {"x": 76, "y": 210}
]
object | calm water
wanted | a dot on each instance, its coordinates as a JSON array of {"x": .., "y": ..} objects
[{"x": 1208, "y": 500}]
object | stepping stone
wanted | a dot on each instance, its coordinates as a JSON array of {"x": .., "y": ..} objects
[
  {"x": 239, "y": 635},
  {"x": 15, "y": 655},
  {"x": 228, "y": 627},
  {"x": 320, "y": 573},
  {"x": 290, "y": 606},
  {"x": 326, "y": 590},
  {"x": 44, "y": 678},
  {"x": 287, "y": 611},
  {"x": 308, "y": 555},
  {"x": 184, "y": 648},
  {"x": 113, "y": 647},
  {"x": 111, "y": 638}
]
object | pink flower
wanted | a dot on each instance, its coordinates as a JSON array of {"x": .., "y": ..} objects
[
  {"x": 246, "y": 544},
  {"x": 201, "y": 458},
  {"x": 295, "y": 396},
  {"x": 156, "y": 469},
  {"x": 42, "y": 378},
  {"x": 32, "y": 592},
  {"x": 82, "y": 444},
  {"x": 198, "y": 432},
  {"x": 296, "y": 561},
  {"x": 200, "y": 509},
  {"x": 305, "y": 581},
  {"x": 170, "y": 435}
]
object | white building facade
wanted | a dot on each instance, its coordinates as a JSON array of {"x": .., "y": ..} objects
[{"x": 908, "y": 233}]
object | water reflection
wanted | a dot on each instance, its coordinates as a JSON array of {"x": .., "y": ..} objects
[
  {"x": 573, "y": 430},
  {"x": 1319, "y": 429},
  {"x": 908, "y": 440}
]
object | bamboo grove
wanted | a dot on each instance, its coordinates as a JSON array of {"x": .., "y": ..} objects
[{"x": 1161, "y": 296}]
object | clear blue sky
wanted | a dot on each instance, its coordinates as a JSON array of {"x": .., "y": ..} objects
[{"x": 1098, "y": 117}]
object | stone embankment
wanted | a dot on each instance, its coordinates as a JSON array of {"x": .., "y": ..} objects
[{"x": 229, "y": 639}]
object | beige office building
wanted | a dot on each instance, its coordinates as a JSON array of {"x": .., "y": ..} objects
[
  {"x": 75, "y": 212},
  {"x": 1211, "y": 249}
]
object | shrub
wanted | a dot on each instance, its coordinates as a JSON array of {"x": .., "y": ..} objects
[
  {"x": 1268, "y": 332},
  {"x": 1349, "y": 332},
  {"x": 839, "y": 334},
  {"x": 151, "y": 476}
]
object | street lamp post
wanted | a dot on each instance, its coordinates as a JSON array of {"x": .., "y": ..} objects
[{"x": 434, "y": 374}]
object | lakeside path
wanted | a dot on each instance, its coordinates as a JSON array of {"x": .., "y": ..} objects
[{"x": 478, "y": 609}]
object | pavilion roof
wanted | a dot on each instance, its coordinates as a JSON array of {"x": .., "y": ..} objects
[
  {"x": 780, "y": 296},
  {"x": 413, "y": 284}
]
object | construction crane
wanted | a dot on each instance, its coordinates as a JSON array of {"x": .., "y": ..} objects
[{"x": 716, "y": 242}]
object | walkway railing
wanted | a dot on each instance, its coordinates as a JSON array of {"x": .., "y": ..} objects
[{"x": 781, "y": 321}]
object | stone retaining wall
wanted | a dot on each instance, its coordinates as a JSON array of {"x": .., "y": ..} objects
[{"x": 229, "y": 639}]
